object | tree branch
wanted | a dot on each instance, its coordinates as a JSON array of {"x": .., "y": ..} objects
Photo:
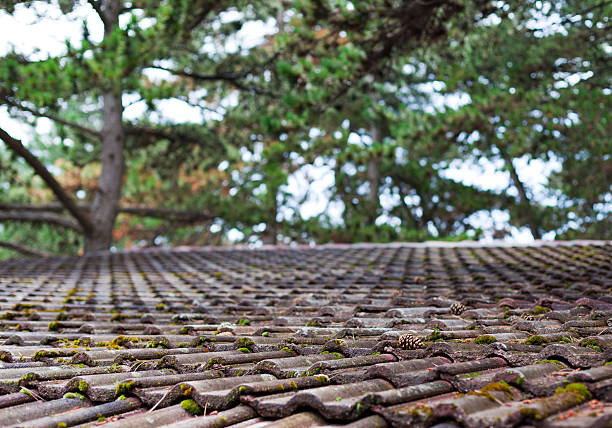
[
  {"x": 66, "y": 200},
  {"x": 159, "y": 133},
  {"x": 40, "y": 217},
  {"x": 98, "y": 8},
  {"x": 25, "y": 250},
  {"x": 183, "y": 216},
  {"x": 234, "y": 78},
  {"x": 198, "y": 76},
  {"x": 53, "y": 117}
]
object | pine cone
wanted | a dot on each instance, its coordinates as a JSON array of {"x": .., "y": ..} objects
[
  {"x": 527, "y": 316},
  {"x": 457, "y": 308},
  {"x": 410, "y": 341}
]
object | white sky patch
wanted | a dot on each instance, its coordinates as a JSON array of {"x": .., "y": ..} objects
[
  {"x": 483, "y": 174},
  {"x": 234, "y": 235},
  {"x": 42, "y": 30},
  {"x": 14, "y": 127},
  {"x": 495, "y": 220},
  {"x": 157, "y": 75},
  {"x": 313, "y": 185},
  {"x": 440, "y": 102},
  {"x": 178, "y": 111},
  {"x": 535, "y": 173}
]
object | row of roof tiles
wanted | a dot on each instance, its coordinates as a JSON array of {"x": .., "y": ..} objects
[{"x": 310, "y": 337}]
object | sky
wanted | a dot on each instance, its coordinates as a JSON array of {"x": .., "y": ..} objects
[{"x": 42, "y": 30}]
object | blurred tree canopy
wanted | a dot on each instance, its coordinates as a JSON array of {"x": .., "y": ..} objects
[{"x": 382, "y": 98}]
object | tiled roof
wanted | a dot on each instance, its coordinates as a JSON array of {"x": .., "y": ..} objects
[{"x": 362, "y": 336}]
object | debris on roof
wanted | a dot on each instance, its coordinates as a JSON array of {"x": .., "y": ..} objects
[{"x": 361, "y": 336}]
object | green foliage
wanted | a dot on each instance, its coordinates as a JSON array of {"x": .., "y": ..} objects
[{"x": 353, "y": 88}]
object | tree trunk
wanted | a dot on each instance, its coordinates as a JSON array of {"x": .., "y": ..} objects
[
  {"x": 106, "y": 200},
  {"x": 105, "y": 204},
  {"x": 373, "y": 201},
  {"x": 525, "y": 202}
]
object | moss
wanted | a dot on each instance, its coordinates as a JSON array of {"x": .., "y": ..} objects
[
  {"x": 123, "y": 340},
  {"x": 485, "y": 339},
  {"x": 160, "y": 306},
  {"x": 609, "y": 363},
  {"x": 500, "y": 386},
  {"x": 435, "y": 335},
  {"x": 74, "y": 395},
  {"x": 186, "y": 389},
  {"x": 184, "y": 330},
  {"x": 118, "y": 317},
  {"x": 29, "y": 377},
  {"x": 244, "y": 321},
  {"x": 121, "y": 398},
  {"x": 21, "y": 306},
  {"x": 40, "y": 355},
  {"x": 245, "y": 350},
  {"x": 100, "y": 418},
  {"x": 5, "y": 357},
  {"x": 577, "y": 389},
  {"x": 201, "y": 342},
  {"x": 312, "y": 372},
  {"x": 535, "y": 340},
  {"x": 54, "y": 326},
  {"x": 162, "y": 342},
  {"x": 212, "y": 362},
  {"x": 8, "y": 316},
  {"x": 62, "y": 425},
  {"x": 539, "y": 310},
  {"x": 591, "y": 343},
  {"x": 531, "y": 413},
  {"x": 421, "y": 411},
  {"x": 191, "y": 407},
  {"x": 124, "y": 387},
  {"x": 244, "y": 342},
  {"x": 82, "y": 386},
  {"x": 565, "y": 339},
  {"x": 265, "y": 334}
]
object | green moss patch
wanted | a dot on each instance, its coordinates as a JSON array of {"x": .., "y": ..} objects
[
  {"x": 192, "y": 407},
  {"x": 485, "y": 339},
  {"x": 591, "y": 343},
  {"x": 124, "y": 387},
  {"x": 539, "y": 310},
  {"x": 579, "y": 390},
  {"x": 536, "y": 340}
]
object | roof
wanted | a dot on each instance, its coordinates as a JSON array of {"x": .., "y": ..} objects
[{"x": 362, "y": 336}]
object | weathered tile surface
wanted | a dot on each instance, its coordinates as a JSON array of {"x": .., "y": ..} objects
[{"x": 296, "y": 337}]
